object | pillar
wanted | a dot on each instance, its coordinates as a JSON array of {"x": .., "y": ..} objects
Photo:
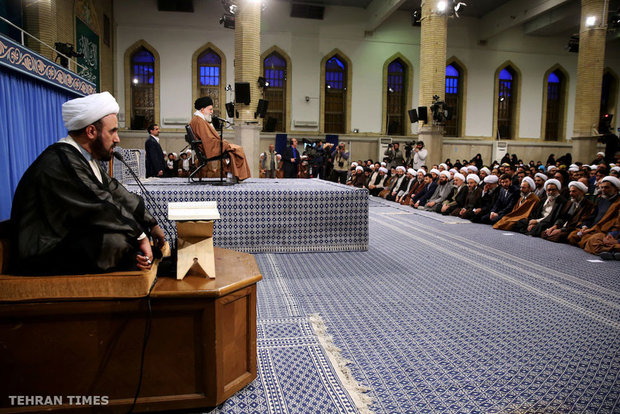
[
  {"x": 589, "y": 78},
  {"x": 433, "y": 41},
  {"x": 248, "y": 69},
  {"x": 40, "y": 21}
]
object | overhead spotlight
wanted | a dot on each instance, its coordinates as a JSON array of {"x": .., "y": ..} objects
[
  {"x": 450, "y": 7},
  {"x": 416, "y": 15},
  {"x": 442, "y": 6},
  {"x": 135, "y": 81},
  {"x": 228, "y": 20},
  {"x": 590, "y": 21},
  {"x": 262, "y": 82},
  {"x": 328, "y": 86},
  {"x": 502, "y": 98},
  {"x": 390, "y": 90}
]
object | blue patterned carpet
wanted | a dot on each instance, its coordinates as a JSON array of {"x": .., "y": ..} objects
[{"x": 440, "y": 316}]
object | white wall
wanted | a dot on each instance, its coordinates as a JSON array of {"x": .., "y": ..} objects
[{"x": 177, "y": 35}]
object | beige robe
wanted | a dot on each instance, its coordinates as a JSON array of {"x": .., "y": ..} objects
[
  {"x": 520, "y": 211},
  {"x": 211, "y": 144}
]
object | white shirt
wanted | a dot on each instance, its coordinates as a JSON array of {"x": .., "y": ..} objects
[{"x": 87, "y": 156}]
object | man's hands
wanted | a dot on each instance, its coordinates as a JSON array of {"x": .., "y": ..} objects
[{"x": 144, "y": 261}]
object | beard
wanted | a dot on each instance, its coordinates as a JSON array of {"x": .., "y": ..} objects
[
  {"x": 100, "y": 152},
  {"x": 209, "y": 118}
]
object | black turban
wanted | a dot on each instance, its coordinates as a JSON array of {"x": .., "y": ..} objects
[{"x": 203, "y": 102}]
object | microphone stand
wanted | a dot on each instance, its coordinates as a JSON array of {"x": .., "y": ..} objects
[
  {"x": 221, "y": 132},
  {"x": 146, "y": 193}
]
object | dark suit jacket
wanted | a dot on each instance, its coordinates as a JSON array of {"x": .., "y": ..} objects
[
  {"x": 154, "y": 157},
  {"x": 505, "y": 203},
  {"x": 290, "y": 168}
]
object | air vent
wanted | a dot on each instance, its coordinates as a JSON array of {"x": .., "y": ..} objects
[
  {"x": 176, "y": 5},
  {"x": 307, "y": 11}
]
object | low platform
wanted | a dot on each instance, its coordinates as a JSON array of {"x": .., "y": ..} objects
[{"x": 275, "y": 215}]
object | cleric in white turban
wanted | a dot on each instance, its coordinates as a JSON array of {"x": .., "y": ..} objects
[
  {"x": 72, "y": 216},
  {"x": 531, "y": 182},
  {"x": 81, "y": 112}
]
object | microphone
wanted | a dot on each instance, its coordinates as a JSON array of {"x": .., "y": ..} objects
[
  {"x": 220, "y": 119},
  {"x": 147, "y": 195}
]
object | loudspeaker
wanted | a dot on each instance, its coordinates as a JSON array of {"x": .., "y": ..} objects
[
  {"x": 413, "y": 115},
  {"x": 423, "y": 114},
  {"x": 242, "y": 92},
  {"x": 270, "y": 126},
  {"x": 230, "y": 109},
  {"x": 261, "y": 109}
]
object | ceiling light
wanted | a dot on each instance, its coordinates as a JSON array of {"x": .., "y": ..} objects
[
  {"x": 441, "y": 6},
  {"x": 590, "y": 21}
]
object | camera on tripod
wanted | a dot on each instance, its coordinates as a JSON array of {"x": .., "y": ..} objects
[
  {"x": 441, "y": 112},
  {"x": 67, "y": 50}
]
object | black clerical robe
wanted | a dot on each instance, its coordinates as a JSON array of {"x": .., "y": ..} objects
[{"x": 68, "y": 222}]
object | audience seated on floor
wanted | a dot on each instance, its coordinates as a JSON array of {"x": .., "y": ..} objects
[{"x": 561, "y": 201}]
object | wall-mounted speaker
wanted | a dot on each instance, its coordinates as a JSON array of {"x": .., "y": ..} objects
[
  {"x": 230, "y": 109},
  {"x": 261, "y": 109},
  {"x": 423, "y": 114},
  {"x": 413, "y": 115},
  {"x": 242, "y": 92}
]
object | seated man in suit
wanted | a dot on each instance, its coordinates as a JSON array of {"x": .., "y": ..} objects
[
  {"x": 525, "y": 204},
  {"x": 70, "y": 216},
  {"x": 204, "y": 130}
]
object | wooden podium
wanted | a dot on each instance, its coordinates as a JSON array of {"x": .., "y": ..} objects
[{"x": 201, "y": 349}]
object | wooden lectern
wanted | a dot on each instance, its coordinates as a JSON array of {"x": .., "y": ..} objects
[{"x": 194, "y": 237}]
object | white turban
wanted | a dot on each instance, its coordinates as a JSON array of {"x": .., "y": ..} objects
[
  {"x": 581, "y": 186},
  {"x": 573, "y": 168},
  {"x": 411, "y": 171},
  {"x": 541, "y": 175},
  {"x": 473, "y": 177},
  {"x": 491, "y": 179},
  {"x": 459, "y": 175},
  {"x": 422, "y": 170},
  {"x": 400, "y": 168},
  {"x": 553, "y": 181},
  {"x": 359, "y": 168},
  {"x": 453, "y": 170},
  {"x": 615, "y": 169},
  {"x": 371, "y": 166},
  {"x": 383, "y": 169},
  {"x": 593, "y": 166},
  {"x": 435, "y": 170},
  {"x": 486, "y": 170},
  {"x": 573, "y": 165},
  {"x": 472, "y": 168},
  {"x": 530, "y": 182},
  {"x": 600, "y": 153},
  {"x": 445, "y": 166},
  {"x": 446, "y": 173},
  {"x": 463, "y": 170},
  {"x": 614, "y": 180},
  {"x": 354, "y": 164},
  {"x": 383, "y": 164},
  {"x": 81, "y": 112}
]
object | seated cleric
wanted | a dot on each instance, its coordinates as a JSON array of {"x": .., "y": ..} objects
[
  {"x": 69, "y": 216},
  {"x": 204, "y": 130}
]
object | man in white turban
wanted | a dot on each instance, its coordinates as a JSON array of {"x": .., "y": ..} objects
[
  {"x": 574, "y": 212},
  {"x": 73, "y": 218},
  {"x": 526, "y": 202}
]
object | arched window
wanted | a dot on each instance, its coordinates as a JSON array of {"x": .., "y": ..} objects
[
  {"x": 396, "y": 97},
  {"x": 554, "y": 114},
  {"x": 209, "y": 77},
  {"x": 274, "y": 71},
  {"x": 506, "y": 103},
  {"x": 335, "y": 95},
  {"x": 142, "y": 63},
  {"x": 454, "y": 93},
  {"x": 608, "y": 93}
]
